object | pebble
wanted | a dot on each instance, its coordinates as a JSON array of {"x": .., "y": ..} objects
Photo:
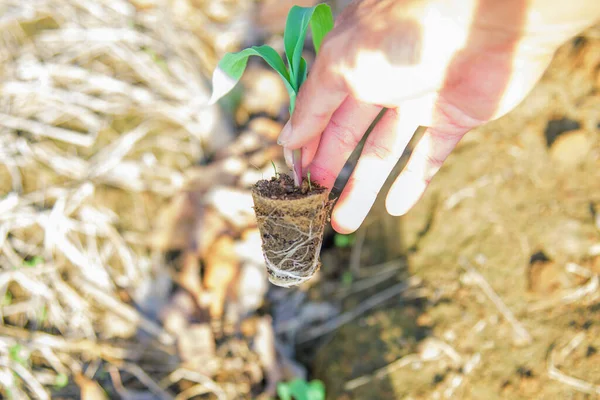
[{"x": 571, "y": 148}]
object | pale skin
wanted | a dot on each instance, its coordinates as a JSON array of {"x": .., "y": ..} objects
[{"x": 448, "y": 65}]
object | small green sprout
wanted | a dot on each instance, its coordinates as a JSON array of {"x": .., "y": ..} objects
[
  {"x": 299, "y": 389},
  {"x": 343, "y": 241},
  {"x": 230, "y": 69},
  {"x": 15, "y": 354},
  {"x": 275, "y": 168},
  {"x": 61, "y": 381},
  {"x": 33, "y": 261},
  {"x": 308, "y": 177}
]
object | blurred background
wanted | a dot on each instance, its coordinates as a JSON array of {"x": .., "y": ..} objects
[{"x": 130, "y": 261}]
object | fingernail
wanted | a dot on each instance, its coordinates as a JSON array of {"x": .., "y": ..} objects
[{"x": 285, "y": 134}]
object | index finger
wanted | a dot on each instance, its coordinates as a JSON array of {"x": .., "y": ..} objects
[{"x": 319, "y": 97}]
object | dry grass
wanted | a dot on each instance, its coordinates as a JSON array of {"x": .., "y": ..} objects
[
  {"x": 102, "y": 121},
  {"x": 102, "y": 110}
]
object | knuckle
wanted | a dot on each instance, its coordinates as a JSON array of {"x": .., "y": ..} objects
[
  {"x": 434, "y": 161},
  {"x": 457, "y": 119},
  {"x": 345, "y": 135},
  {"x": 379, "y": 150}
]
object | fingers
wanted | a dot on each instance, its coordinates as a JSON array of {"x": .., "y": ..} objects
[
  {"x": 427, "y": 158},
  {"x": 339, "y": 139},
  {"x": 320, "y": 95},
  {"x": 308, "y": 153},
  {"x": 382, "y": 150}
]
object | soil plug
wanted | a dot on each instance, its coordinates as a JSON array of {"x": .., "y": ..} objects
[
  {"x": 291, "y": 213},
  {"x": 291, "y": 221}
]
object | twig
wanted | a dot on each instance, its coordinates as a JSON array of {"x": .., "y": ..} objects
[
  {"x": 430, "y": 350},
  {"x": 367, "y": 283},
  {"x": 146, "y": 380},
  {"x": 11, "y": 336},
  {"x": 362, "y": 308},
  {"x": 458, "y": 379},
  {"x": 193, "y": 391},
  {"x": 522, "y": 337},
  {"x": 183, "y": 373},
  {"x": 576, "y": 383},
  {"x": 570, "y": 347},
  {"x": 383, "y": 268},
  {"x": 40, "y": 129},
  {"x": 383, "y": 372},
  {"x": 27, "y": 377},
  {"x": 356, "y": 252},
  {"x": 264, "y": 346},
  {"x": 124, "y": 310},
  {"x": 8, "y": 382},
  {"x": 113, "y": 154},
  {"x": 569, "y": 297}
]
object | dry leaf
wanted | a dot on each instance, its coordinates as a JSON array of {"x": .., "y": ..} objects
[
  {"x": 221, "y": 270},
  {"x": 266, "y": 128},
  {"x": 177, "y": 314},
  {"x": 235, "y": 205},
  {"x": 264, "y": 345},
  {"x": 189, "y": 277},
  {"x": 196, "y": 341},
  {"x": 265, "y": 92},
  {"x": 90, "y": 390},
  {"x": 187, "y": 224}
]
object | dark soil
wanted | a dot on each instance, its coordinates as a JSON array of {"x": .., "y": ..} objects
[{"x": 282, "y": 187}]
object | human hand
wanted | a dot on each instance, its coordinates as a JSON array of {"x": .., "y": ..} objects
[{"x": 448, "y": 65}]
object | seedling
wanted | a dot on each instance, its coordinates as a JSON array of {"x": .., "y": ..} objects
[
  {"x": 275, "y": 169},
  {"x": 231, "y": 68},
  {"x": 291, "y": 213}
]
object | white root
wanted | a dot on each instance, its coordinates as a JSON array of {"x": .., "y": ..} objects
[{"x": 299, "y": 254}]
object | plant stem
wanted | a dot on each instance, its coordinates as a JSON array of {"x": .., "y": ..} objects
[
  {"x": 297, "y": 162},
  {"x": 296, "y": 154}
]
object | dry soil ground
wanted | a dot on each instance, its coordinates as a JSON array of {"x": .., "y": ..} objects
[{"x": 506, "y": 242}]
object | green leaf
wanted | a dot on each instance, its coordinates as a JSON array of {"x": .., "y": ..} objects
[
  {"x": 320, "y": 26},
  {"x": 230, "y": 69},
  {"x": 302, "y": 72},
  {"x": 299, "y": 389},
  {"x": 316, "y": 390},
  {"x": 283, "y": 391},
  {"x": 320, "y": 20},
  {"x": 292, "y": 102}
]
